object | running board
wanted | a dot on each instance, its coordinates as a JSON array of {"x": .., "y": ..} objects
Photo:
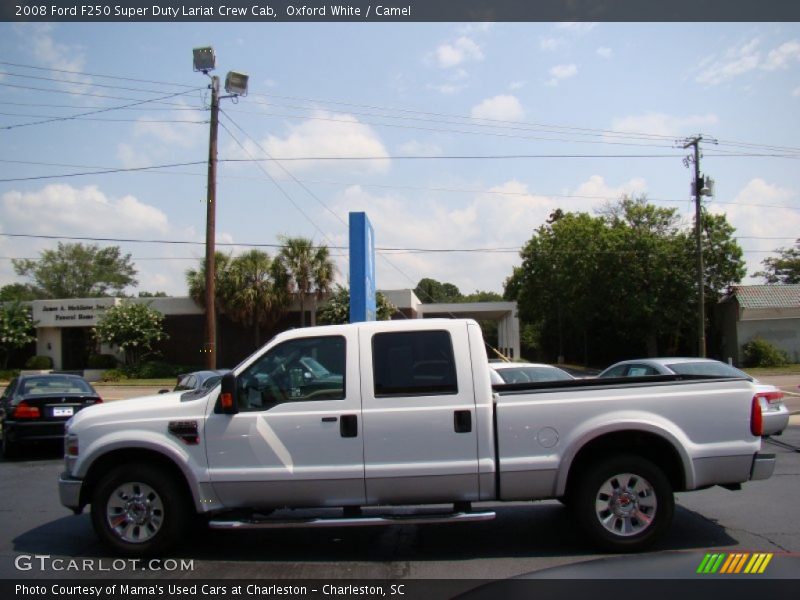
[{"x": 352, "y": 521}]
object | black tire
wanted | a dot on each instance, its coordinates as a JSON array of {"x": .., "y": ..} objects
[
  {"x": 149, "y": 510},
  {"x": 624, "y": 503}
]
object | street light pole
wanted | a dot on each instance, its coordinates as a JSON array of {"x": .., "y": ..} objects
[
  {"x": 235, "y": 85},
  {"x": 210, "y": 349}
]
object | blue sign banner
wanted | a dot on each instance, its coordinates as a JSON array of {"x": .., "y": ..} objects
[{"x": 362, "y": 268}]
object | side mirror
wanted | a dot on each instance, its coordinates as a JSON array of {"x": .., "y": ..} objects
[{"x": 227, "y": 396}]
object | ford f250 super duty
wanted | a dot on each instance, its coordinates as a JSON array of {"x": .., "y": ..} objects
[{"x": 373, "y": 418}]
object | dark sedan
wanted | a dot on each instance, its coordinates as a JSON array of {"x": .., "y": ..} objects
[
  {"x": 199, "y": 380},
  {"x": 35, "y": 407}
]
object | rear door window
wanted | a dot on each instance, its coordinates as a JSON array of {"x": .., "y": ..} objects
[{"x": 413, "y": 363}]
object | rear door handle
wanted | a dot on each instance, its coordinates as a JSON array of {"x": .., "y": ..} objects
[
  {"x": 462, "y": 421},
  {"x": 329, "y": 419},
  {"x": 348, "y": 426}
]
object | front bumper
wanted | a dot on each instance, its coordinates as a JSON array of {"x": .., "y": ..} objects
[
  {"x": 69, "y": 492},
  {"x": 763, "y": 466}
]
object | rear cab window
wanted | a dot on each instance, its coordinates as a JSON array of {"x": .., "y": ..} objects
[{"x": 413, "y": 363}]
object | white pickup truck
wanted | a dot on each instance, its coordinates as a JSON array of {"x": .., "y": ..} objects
[{"x": 374, "y": 418}]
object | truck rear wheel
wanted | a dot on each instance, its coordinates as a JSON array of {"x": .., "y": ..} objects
[
  {"x": 624, "y": 503},
  {"x": 138, "y": 510}
]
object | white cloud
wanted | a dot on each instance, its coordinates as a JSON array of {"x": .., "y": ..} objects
[
  {"x": 65, "y": 210},
  {"x": 453, "y": 54},
  {"x": 796, "y": 92},
  {"x": 747, "y": 214},
  {"x": 596, "y": 190},
  {"x": 746, "y": 58},
  {"x": 416, "y": 148},
  {"x": 500, "y": 108},
  {"x": 326, "y": 135},
  {"x": 663, "y": 124},
  {"x": 735, "y": 61},
  {"x": 156, "y": 142},
  {"x": 38, "y": 39},
  {"x": 551, "y": 44},
  {"x": 516, "y": 85},
  {"x": 561, "y": 72},
  {"x": 605, "y": 52},
  {"x": 503, "y": 216},
  {"x": 782, "y": 56}
]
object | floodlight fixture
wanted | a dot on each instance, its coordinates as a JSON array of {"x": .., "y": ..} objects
[
  {"x": 204, "y": 59},
  {"x": 236, "y": 83}
]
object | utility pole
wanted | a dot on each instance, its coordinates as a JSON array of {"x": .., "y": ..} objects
[
  {"x": 699, "y": 188},
  {"x": 210, "y": 347},
  {"x": 235, "y": 85}
]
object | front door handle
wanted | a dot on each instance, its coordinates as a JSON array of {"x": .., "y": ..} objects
[
  {"x": 348, "y": 426},
  {"x": 462, "y": 421}
]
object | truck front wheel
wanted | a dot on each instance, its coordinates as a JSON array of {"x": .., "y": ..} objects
[
  {"x": 624, "y": 503},
  {"x": 138, "y": 510}
]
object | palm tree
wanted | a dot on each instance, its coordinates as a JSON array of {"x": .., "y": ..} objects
[
  {"x": 254, "y": 299},
  {"x": 196, "y": 281},
  {"x": 308, "y": 270}
]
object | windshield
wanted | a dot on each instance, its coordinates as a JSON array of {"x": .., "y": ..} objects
[
  {"x": 37, "y": 386},
  {"x": 715, "y": 369},
  {"x": 530, "y": 374}
]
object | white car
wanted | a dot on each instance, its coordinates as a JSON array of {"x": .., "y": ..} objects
[
  {"x": 774, "y": 412},
  {"x": 520, "y": 372}
]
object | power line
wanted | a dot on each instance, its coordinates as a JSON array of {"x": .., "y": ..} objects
[
  {"x": 172, "y": 83},
  {"x": 82, "y": 84},
  {"x": 96, "y": 111},
  {"x": 490, "y": 250},
  {"x": 103, "y": 172},
  {"x": 112, "y": 120}
]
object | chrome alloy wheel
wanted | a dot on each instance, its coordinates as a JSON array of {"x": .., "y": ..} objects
[
  {"x": 135, "y": 512},
  {"x": 626, "y": 504}
]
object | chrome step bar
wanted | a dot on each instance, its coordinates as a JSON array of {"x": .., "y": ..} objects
[{"x": 415, "y": 519}]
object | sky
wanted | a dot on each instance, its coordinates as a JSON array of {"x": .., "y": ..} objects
[{"x": 460, "y": 136}]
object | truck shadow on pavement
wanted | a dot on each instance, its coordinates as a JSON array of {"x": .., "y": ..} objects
[{"x": 545, "y": 529}]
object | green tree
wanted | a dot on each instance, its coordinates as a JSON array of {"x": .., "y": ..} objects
[
  {"x": 196, "y": 281},
  {"x": 307, "y": 270},
  {"x": 432, "y": 291},
  {"x": 21, "y": 292},
  {"x": 620, "y": 284},
  {"x": 78, "y": 271},
  {"x": 16, "y": 329},
  {"x": 784, "y": 268},
  {"x": 257, "y": 295},
  {"x": 132, "y": 327},
  {"x": 336, "y": 310}
]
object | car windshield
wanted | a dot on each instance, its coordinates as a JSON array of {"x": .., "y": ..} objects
[
  {"x": 40, "y": 386},
  {"x": 715, "y": 369},
  {"x": 530, "y": 374}
]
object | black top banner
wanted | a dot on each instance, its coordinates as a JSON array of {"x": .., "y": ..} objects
[{"x": 399, "y": 10}]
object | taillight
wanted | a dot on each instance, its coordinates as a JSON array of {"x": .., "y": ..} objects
[
  {"x": 98, "y": 400},
  {"x": 771, "y": 397},
  {"x": 756, "y": 419},
  {"x": 26, "y": 411},
  {"x": 71, "y": 446}
]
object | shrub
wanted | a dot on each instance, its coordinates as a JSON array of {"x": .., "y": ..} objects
[
  {"x": 101, "y": 361},
  {"x": 8, "y": 374},
  {"x": 114, "y": 375},
  {"x": 760, "y": 353},
  {"x": 39, "y": 363}
]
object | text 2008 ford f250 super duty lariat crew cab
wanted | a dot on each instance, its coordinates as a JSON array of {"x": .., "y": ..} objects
[{"x": 388, "y": 414}]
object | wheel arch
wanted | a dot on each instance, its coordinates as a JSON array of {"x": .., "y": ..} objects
[
  {"x": 121, "y": 456},
  {"x": 653, "y": 446}
]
